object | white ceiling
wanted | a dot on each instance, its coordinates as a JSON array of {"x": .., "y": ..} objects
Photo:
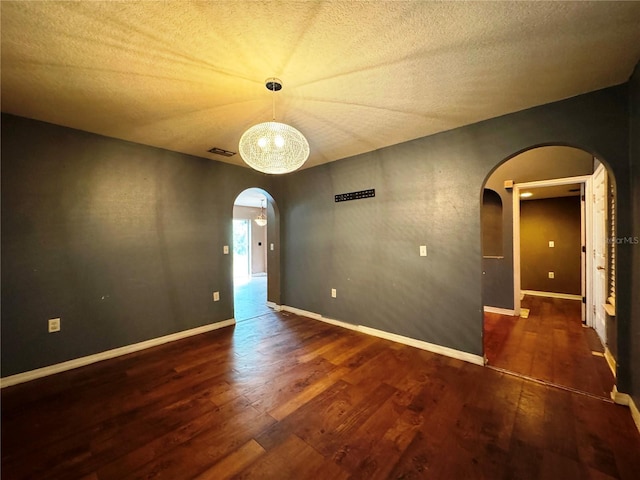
[
  {"x": 251, "y": 197},
  {"x": 187, "y": 76}
]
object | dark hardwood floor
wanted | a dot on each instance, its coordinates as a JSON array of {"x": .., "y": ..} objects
[
  {"x": 551, "y": 345},
  {"x": 285, "y": 397}
]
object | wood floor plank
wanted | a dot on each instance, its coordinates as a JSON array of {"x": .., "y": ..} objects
[
  {"x": 234, "y": 463},
  {"x": 132, "y": 453},
  {"x": 281, "y": 396},
  {"x": 293, "y": 403},
  {"x": 293, "y": 459},
  {"x": 551, "y": 345}
]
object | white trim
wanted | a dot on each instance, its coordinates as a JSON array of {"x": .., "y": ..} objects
[
  {"x": 430, "y": 347},
  {"x": 610, "y": 360},
  {"x": 566, "y": 296},
  {"x": 583, "y": 250},
  {"x": 304, "y": 313},
  {"x": 586, "y": 179},
  {"x": 274, "y": 305},
  {"x": 625, "y": 399},
  {"x": 412, "y": 342},
  {"x": 553, "y": 182},
  {"x": 500, "y": 311},
  {"x": 588, "y": 242},
  {"x": 116, "y": 352},
  {"x": 516, "y": 249}
]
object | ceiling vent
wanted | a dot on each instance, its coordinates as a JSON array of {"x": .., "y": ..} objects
[{"x": 221, "y": 151}]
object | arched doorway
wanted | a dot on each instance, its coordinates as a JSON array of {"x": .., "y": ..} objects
[
  {"x": 544, "y": 296},
  {"x": 255, "y": 254}
]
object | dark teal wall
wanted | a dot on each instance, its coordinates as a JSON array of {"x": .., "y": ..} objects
[
  {"x": 428, "y": 191},
  {"x": 122, "y": 241}
]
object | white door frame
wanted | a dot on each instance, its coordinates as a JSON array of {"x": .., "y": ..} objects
[
  {"x": 586, "y": 181},
  {"x": 597, "y": 305}
]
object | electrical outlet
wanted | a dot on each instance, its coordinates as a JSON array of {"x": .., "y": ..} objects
[
  {"x": 334, "y": 293},
  {"x": 216, "y": 296},
  {"x": 423, "y": 250},
  {"x": 552, "y": 275},
  {"x": 54, "y": 325}
]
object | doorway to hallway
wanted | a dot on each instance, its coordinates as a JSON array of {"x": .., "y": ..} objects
[
  {"x": 250, "y": 254},
  {"x": 545, "y": 331}
]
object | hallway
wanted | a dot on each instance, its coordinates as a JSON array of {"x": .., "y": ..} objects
[
  {"x": 250, "y": 297},
  {"x": 552, "y": 345}
]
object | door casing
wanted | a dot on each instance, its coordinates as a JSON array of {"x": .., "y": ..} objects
[{"x": 586, "y": 181}]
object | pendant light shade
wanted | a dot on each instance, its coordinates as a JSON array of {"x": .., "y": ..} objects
[
  {"x": 273, "y": 147},
  {"x": 261, "y": 219}
]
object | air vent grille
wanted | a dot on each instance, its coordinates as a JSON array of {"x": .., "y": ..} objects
[{"x": 221, "y": 151}]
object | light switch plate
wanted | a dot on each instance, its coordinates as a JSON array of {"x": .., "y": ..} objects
[
  {"x": 54, "y": 325},
  {"x": 216, "y": 296},
  {"x": 225, "y": 249},
  {"x": 334, "y": 293},
  {"x": 423, "y": 250},
  {"x": 552, "y": 244}
]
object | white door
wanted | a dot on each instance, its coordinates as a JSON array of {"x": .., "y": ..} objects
[
  {"x": 583, "y": 250},
  {"x": 599, "y": 294}
]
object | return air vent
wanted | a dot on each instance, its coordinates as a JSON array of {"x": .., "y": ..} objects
[{"x": 220, "y": 151}]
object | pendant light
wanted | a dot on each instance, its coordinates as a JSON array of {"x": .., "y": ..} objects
[
  {"x": 261, "y": 219},
  {"x": 273, "y": 147}
]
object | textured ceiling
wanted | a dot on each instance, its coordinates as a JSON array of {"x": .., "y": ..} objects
[{"x": 358, "y": 76}]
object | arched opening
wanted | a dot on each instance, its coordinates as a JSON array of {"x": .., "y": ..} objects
[
  {"x": 549, "y": 300},
  {"x": 256, "y": 264},
  {"x": 491, "y": 224}
]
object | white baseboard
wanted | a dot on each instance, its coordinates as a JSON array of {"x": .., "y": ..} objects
[
  {"x": 500, "y": 311},
  {"x": 625, "y": 399},
  {"x": 430, "y": 347},
  {"x": 116, "y": 352},
  {"x": 610, "y": 360},
  {"x": 566, "y": 296},
  {"x": 273, "y": 305}
]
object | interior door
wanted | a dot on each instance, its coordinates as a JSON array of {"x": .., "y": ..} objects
[
  {"x": 599, "y": 295},
  {"x": 583, "y": 251}
]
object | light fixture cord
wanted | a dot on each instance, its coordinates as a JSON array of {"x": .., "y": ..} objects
[{"x": 273, "y": 98}]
